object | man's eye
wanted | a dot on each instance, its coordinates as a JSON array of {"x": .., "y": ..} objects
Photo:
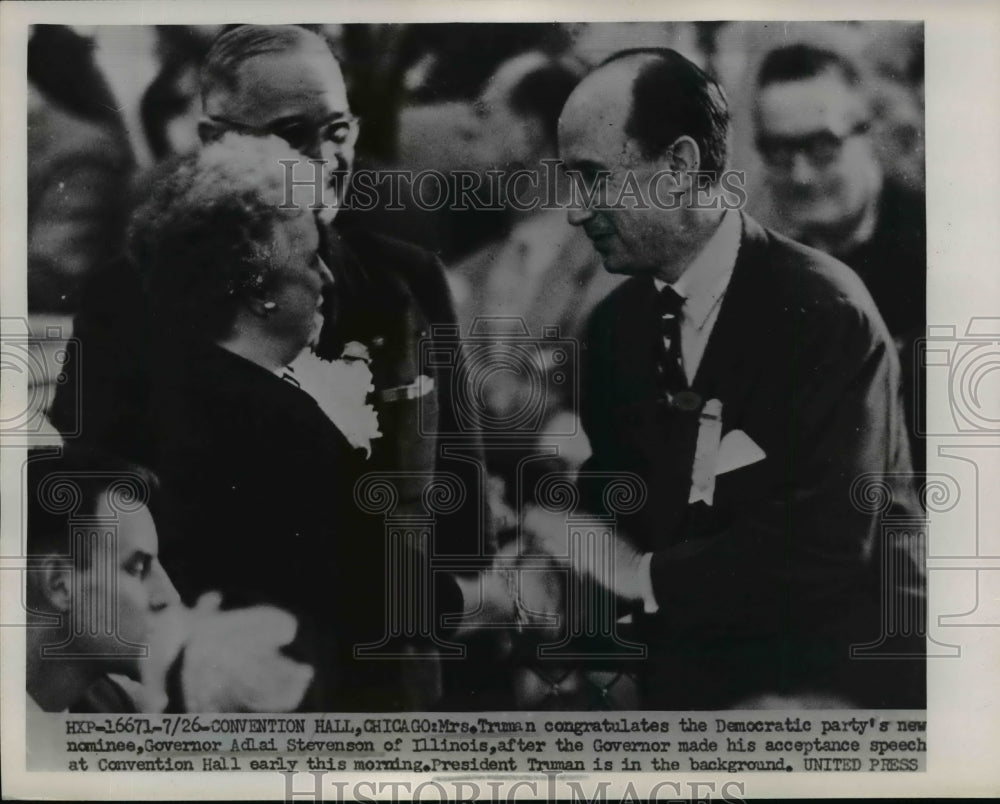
[
  {"x": 139, "y": 566},
  {"x": 339, "y": 132},
  {"x": 775, "y": 151}
]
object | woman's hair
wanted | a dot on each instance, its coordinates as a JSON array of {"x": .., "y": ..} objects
[{"x": 204, "y": 233}]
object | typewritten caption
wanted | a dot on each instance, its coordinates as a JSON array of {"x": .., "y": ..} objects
[{"x": 494, "y": 744}]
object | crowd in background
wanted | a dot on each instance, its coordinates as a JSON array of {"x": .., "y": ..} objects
[{"x": 107, "y": 104}]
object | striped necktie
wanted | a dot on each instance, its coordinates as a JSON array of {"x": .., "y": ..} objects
[{"x": 670, "y": 368}]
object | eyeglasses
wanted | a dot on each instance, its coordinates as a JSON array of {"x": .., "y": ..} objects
[
  {"x": 822, "y": 149},
  {"x": 341, "y": 131}
]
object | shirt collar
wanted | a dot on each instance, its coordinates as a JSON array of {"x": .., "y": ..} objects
[{"x": 705, "y": 281}]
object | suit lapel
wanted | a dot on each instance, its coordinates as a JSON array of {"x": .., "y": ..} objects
[
  {"x": 734, "y": 353},
  {"x": 365, "y": 306},
  {"x": 732, "y": 360}
]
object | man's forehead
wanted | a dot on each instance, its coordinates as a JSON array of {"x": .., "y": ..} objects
[
  {"x": 592, "y": 124},
  {"x": 821, "y": 102},
  {"x": 136, "y": 531},
  {"x": 283, "y": 84}
]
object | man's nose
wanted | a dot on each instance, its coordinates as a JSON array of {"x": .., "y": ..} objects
[
  {"x": 802, "y": 170},
  {"x": 578, "y": 215},
  {"x": 335, "y": 154},
  {"x": 162, "y": 592}
]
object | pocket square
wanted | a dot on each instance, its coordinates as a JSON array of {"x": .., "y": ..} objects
[{"x": 737, "y": 450}]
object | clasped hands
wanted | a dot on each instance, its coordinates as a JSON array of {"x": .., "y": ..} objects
[
  {"x": 614, "y": 564},
  {"x": 518, "y": 589}
]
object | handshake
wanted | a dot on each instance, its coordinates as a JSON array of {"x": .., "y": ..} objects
[
  {"x": 526, "y": 586},
  {"x": 528, "y": 595}
]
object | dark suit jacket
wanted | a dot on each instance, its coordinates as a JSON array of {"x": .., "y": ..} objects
[
  {"x": 893, "y": 261},
  {"x": 763, "y": 590},
  {"x": 893, "y": 265},
  {"x": 258, "y": 504},
  {"x": 393, "y": 298}
]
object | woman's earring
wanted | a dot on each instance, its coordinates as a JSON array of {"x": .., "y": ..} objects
[{"x": 269, "y": 306}]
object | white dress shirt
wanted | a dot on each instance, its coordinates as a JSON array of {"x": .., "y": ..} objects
[{"x": 703, "y": 286}]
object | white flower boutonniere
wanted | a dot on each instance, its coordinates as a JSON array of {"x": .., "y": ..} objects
[{"x": 340, "y": 388}]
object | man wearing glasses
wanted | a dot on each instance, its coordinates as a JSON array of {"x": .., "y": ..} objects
[
  {"x": 813, "y": 120},
  {"x": 282, "y": 80}
]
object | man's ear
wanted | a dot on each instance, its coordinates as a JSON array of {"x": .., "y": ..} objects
[
  {"x": 685, "y": 155},
  {"x": 258, "y": 300},
  {"x": 55, "y": 583},
  {"x": 259, "y": 303},
  {"x": 209, "y": 131}
]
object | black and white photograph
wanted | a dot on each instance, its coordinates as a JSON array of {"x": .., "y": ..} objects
[{"x": 466, "y": 399}]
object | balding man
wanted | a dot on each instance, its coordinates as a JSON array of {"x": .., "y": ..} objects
[{"x": 747, "y": 382}]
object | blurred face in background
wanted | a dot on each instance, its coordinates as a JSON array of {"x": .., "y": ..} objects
[
  {"x": 898, "y": 133},
  {"x": 507, "y": 140},
  {"x": 819, "y": 161},
  {"x": 298, "y": 95}
]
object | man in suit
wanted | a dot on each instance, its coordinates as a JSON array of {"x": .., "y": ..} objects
[
  {"x": 813, "y": 117},
  {"x": 747, "y": 382},
  {"x": 813, "y": 120}
]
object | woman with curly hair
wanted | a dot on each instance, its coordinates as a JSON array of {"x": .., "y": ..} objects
[{"x": 258, "y": 474}]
